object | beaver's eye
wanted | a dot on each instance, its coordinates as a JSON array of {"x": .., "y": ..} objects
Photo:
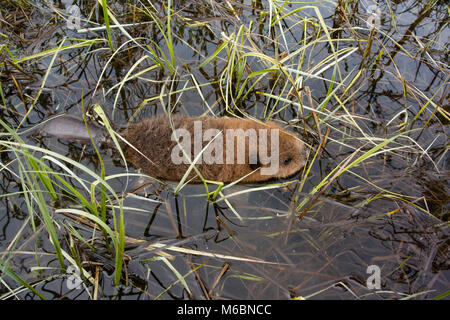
[
  {"x": 255, "y": 166},
  {"x": 287, "y": 161}
]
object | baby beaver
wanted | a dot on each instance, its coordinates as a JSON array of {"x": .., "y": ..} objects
[{"x": 224, "y": 149}]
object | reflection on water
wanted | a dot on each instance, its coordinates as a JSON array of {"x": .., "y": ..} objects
[{"x": 325, "y": 254}]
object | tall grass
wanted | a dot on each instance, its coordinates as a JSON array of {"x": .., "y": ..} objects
[{"x": 269, "y": 67}]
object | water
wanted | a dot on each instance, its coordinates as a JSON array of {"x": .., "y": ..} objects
[{"x": 326, "y": 254}]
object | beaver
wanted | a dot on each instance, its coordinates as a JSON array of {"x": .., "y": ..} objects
[{"x": 223, "y": 149}]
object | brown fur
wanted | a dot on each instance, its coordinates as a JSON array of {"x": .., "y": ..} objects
[{"x": 152, "y": 137}]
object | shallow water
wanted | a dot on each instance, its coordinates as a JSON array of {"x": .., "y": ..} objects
[{"x": 326, "y": 254}]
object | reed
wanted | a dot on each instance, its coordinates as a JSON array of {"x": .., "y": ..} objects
[{"x": 307, "y": 66}]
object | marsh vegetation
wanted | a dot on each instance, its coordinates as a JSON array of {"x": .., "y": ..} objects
[{"x": 365, "y": 86}]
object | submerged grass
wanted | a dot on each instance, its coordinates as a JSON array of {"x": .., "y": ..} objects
[{"x": 264, "y": 66}]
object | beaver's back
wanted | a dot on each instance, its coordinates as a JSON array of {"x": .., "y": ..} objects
[{"x": 153, "y": 138}]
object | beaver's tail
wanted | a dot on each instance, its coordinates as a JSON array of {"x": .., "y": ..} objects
[{"x": 74, "y": 129}]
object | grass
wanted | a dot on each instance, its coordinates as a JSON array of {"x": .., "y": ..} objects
[{"x": 315, "y": 68}]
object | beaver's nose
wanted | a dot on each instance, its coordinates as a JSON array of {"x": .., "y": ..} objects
[{"x": 303, "y": 152}]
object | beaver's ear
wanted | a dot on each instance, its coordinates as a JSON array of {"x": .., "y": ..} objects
[{"x": 254, "y": 161}]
